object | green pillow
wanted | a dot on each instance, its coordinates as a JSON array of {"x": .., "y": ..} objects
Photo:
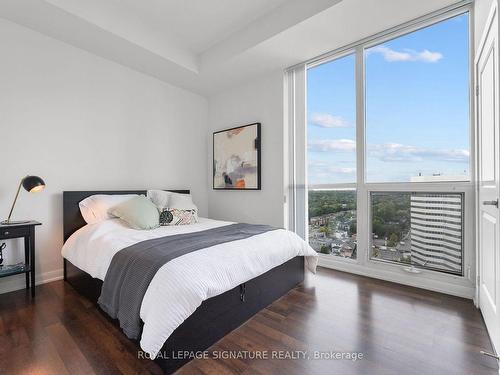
[{"x": 138, "y": 212}]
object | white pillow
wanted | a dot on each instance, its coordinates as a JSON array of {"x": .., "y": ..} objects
[
  {"x": 167, "y": 199},
  {"x": 159, "y": 198},
  {"x": 182, "y": 207},
  {"x": 95, "y": 208},
  {"x": 181, "y": 202}
]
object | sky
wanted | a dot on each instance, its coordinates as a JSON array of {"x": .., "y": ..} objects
[{"x": 417, "y": 109}]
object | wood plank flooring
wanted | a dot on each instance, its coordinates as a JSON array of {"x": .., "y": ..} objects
[{"x": 399, "y": 330}]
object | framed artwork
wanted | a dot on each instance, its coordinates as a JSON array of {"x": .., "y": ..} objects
[{"x": 236, "y": 153}]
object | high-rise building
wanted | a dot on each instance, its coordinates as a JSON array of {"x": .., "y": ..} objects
[{"x": 436, "y": 231}]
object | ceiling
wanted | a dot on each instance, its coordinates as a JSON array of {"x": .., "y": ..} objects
[
  {"x": 208, "y": 45},
  {"x": 199, "y": 24},
  {"x": 195, "y": 25}
]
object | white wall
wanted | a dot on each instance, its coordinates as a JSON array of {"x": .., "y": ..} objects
[
  {"x": 83, "y": 122},
  {"x": 258, "y": 101}
]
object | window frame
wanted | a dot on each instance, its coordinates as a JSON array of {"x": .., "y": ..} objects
[{"x": 462, "y": 285}]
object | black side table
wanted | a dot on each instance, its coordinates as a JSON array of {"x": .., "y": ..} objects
[{"x": 27, "y": 231}]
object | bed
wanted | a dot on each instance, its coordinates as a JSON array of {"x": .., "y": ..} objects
[{"x": 213, "y": 318}]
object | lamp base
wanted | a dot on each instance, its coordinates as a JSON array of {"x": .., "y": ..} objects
[{"x": 12, "y": 222}]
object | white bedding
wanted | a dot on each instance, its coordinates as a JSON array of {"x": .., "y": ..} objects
[{"x": 182, "y": 284}]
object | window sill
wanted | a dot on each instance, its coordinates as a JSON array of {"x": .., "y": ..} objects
[{"x": 431, "y": 280}]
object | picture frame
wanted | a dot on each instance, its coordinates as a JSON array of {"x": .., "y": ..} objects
[{"x": 236, "y": 163}]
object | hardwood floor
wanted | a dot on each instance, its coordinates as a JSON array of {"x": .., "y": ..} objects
[{"x": 399, "y": 330}]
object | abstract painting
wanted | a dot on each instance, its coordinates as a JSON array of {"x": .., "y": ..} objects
[{"x": 236, "y": 164}]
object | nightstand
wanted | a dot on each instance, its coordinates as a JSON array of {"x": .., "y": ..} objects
[{"x": 27, "y": 231}]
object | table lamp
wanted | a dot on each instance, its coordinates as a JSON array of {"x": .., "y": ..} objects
[{"x": 33, "y": 184}]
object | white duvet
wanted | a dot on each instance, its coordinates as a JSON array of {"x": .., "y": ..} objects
[{"x": 182, "y": 284}]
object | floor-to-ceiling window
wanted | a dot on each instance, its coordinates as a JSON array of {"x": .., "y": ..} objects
[
  {"x": 389, "y": 150},
  {"x": 417, "y": 125},
  {"x": 331, "y": 134}
]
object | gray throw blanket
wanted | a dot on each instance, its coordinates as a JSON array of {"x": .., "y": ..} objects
[{"x": 132, "y": 269}]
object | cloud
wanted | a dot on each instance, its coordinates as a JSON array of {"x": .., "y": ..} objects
[
  {"x": 392, "y": 152},
  {"x": 395, "y": 152},
  {"x": 321, "y": 169},
  {"x": 391, "y": 55},
  {"x": 327, "y": 145},
  {"x": 326, "y": 120},
  {"x": 429, "y": 56}
]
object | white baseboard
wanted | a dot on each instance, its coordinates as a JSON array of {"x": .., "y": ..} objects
[
  {"x": 9, "y": 284},
  {"x": 397, "y": 276}
]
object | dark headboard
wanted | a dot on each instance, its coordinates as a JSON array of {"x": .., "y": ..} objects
[{"x": 72, "y": 218}]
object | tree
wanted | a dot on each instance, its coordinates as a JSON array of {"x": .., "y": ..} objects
[
  {"x": 325, "y": 249},
  {"x": 326, "y": 230},
  {"x": 393, "y": 240},
  {"x": 352, "y": 228},
  {"x": 378, "y": 227}
]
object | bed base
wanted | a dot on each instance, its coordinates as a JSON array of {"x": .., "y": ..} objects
[{"x": 215, "y": 317}]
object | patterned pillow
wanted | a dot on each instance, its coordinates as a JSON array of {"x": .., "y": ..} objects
[
  {"x": 176, "y": 216},
  {"x": 166, "y": 217}
]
